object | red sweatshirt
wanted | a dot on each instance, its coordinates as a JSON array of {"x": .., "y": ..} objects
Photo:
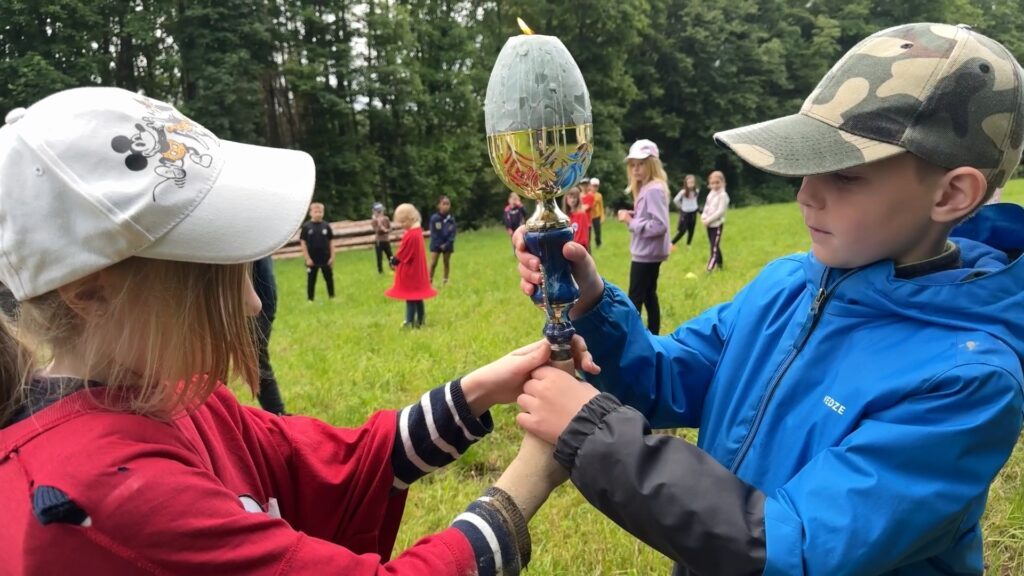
[{"x": 226, "y": 489}]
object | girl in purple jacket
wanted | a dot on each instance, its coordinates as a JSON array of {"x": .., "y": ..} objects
[{"x": 649, "y": 226}]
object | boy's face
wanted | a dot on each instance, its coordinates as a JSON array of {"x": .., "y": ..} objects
[
  {"x": 444, "y": 206},
  {"x": 871, "y": 212},
  {"x": 316, "y": 212}
]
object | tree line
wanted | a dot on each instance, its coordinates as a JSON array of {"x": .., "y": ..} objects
[{"x": 387, "y": 94}]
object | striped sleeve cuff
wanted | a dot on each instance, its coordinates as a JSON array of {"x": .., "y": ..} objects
[
  {"x": 491, "y": 538},
  {"x": 434, "y": 432}
]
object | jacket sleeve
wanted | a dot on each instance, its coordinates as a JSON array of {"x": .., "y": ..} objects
[
  {"x": 652, "y": 218},
  {"x": 678, "y": 200},
  {"x": 664, "y": 491},
  {"x": 664, "y": 377}
]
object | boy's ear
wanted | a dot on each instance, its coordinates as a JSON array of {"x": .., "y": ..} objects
[
  {"x": 960, "y": 192},
  {"x": 87, "y": 297}
]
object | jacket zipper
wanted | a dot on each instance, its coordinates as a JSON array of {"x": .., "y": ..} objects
[{"x": 817, "y": 307}]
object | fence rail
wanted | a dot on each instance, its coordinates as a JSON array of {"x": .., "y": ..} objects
[{"x": 348, "y": 235}]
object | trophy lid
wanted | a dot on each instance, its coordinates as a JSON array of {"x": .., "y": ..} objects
[{"x": 535, "y": 84}]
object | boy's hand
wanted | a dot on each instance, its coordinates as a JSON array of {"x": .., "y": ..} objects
[
  {"x": 550, "y": 400},
  {"x": 309, "y": 262},
  {"x": 584, "y": 271},
  {"x": 501, "y": 381}
]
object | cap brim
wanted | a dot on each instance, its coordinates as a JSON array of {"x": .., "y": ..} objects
[
  {"x": 799, "y": 145},
  {"x": 256, "y": 204}
]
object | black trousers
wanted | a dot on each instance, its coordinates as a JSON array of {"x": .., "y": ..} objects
[
  {"x": 595, "y": 229},
  {"x": 382, "y": 247},
  {"x": 687, "y": 223},
  {"x": 414, "y": 312},
  {"x": 715, "y": 240},
  {"x": 643, "y": 291},
  {"x": 328, "y": 273},
  {"x": 269, "y": 395}
]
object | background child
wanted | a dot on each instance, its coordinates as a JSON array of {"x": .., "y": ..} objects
[
  {"x": 125, "y": 451},
  {"x": 265, "y": 285},
  {"x": 713, "y": 217},
  {"x": 381, "y": 236},
  {"x": 579, "y": 216},
  {"x": 514, "y": 215},
  {"x": 317, "y": 241},
  {"x": 854, "y": 402},
  {"x": 686, "y": 201},
  {"x": 593, "y": 200},
  {"x": 648, "y": 223},
  {"x": 411, "y": 282},
  {"x": 442, "y": 236}
]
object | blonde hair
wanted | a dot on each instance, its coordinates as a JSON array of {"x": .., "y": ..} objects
[
  {"x": 185, "y": 323},
  {"x": 720, "y": 175},
  {"x": 16, "y": 368},
  {"x": 656, "y": 172},
  {"x": 407, "y": 216}
]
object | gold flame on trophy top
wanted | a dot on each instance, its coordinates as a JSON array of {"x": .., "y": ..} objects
[{"x": 523, "y": 26}]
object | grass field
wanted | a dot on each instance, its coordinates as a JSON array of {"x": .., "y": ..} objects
[{"x": 340, "y": 360}]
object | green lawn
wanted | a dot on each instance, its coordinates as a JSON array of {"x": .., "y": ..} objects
[{"x": 340, "y": 360}]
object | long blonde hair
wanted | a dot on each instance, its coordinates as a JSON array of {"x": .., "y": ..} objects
[
  {"x": 656, "y": 171},
  {"x": 186, "y": 323}
]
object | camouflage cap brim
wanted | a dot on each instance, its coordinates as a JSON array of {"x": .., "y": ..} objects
[{"x": 799, "y": 145}]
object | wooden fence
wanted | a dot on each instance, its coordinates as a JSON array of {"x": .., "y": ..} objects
[{"x": 348, "y": 235}]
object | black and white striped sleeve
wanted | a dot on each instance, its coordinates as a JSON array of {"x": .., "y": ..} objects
[
  {"x": 434, "y": 432},
  {"x": 497, "y": 532}
]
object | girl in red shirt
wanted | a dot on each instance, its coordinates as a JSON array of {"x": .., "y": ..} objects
[{"x": 579, "y": 215}]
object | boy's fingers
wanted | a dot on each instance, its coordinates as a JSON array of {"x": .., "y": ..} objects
[
  {"x": 526, "y": 402},
  {"x": 531, "y": 347},
  {"x": 527, "y": 422}
]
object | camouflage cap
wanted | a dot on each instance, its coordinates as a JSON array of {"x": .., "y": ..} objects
[{"x": 945, "y": 93}]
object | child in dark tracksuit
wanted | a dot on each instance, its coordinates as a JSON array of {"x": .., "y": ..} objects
[{"x": 442, "y": 236}]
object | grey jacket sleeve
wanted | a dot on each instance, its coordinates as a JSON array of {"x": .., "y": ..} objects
[{"x": 663, "y": 490}]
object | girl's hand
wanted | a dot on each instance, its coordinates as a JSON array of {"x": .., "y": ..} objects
[
  {"x": 501, "y": 381},
  {"x": 625, "y": 216},
  {"x": 584, "y": 271},
  {"x": 550, "y": 400}
]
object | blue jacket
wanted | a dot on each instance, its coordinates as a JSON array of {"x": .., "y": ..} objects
[
  {"x": 442, "y": 232},
  {"x": 871, "y": 412}
]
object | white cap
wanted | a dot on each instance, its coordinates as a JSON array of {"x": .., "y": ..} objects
[
  {"x": 595, "y": 181},
  {"x": 92, "y": 176},
  {"x": 642, "y": 149}
]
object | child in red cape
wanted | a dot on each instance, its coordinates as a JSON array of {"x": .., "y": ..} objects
[{"x": 412, "y": 283}]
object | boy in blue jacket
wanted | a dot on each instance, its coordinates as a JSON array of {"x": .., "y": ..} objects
[{"x": 855, "y": 402}]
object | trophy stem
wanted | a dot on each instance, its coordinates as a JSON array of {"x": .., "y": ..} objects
[{"x": 547, "y": 233}]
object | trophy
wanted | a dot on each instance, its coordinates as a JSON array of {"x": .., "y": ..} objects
[{"x": 539, "y": 133}]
